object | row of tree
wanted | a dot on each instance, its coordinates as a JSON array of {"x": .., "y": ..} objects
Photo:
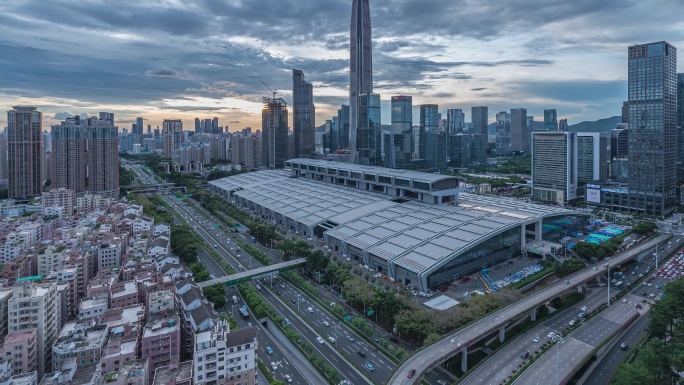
[
  {"x": 660, "y": 359},
  {"x": 185, "y": 243}
]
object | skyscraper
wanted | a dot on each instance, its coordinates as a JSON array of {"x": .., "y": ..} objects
[
  {"x": 107, "y": 116},
  {"x": 274, "y": 133},
  {"x": 24, "y": 152},
  {"x": 429, "y": 122},
  {"x": 3, "y": 155},
  {"x": 503, "y": 133},
  {"x": 103, "y": 158},
  {"x": 652, "y": 85},
  {"x": 198, "y": 126},
  {"x": 680, "y": 126},
  {"x": 215, "y": 129},
  {"x": 520, "y": 132},
  {"x": 554, "y": 166},
  {"x": 172, "y": 133},
  {"x": 625, "y": 112},
  {"x": 479, "y": 119},
  {"x": 550, "y": 120},
  {"x": 592, "y": 157},
  {"x": 368, "y": 139},
  {"x": 402, "y": 135},
  {"x": 360, "y": 65},
  {"x": 140, "y": 127},
  {"x": 69, "y": 155},
  {"x": 343, "y": 116},
  {"x": 455, "y": 121},
  {"x": 436, "y": 150},
  {"x": 303, "y": 115}
]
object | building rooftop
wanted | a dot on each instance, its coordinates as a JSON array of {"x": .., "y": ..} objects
[
  {"x": 165, "y": 374},
  {"x": 129, "y": 288},
  {"x": 79, "y": 334},
  {"x": 241, "y": 336},
  {"x": 160, "y": 327},
  {"x": 71, "y": 375}
]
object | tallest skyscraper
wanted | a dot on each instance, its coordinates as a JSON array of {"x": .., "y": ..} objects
[{"x": 360, "y": 66}]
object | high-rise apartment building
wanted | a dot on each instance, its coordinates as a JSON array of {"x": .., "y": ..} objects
[
  {"x": 274, "y": 133},
  {"x": 215, "y": 128},
  {"x": 303, "y": 115},
  {"x": 172, "y": 133},
  {"x": 592, "y": 157},
  {"x": 368, "y": 148},
  {"x": 429, "y": 122},
  {"x": 652, "y": 85},
  {"x": 103, "y": 158},
  {"x": 3, "y": 156},
  {"x": 551, "y": 120},
  {"x": 436, "y": 150},
  {"x": 24, "y": 152},
  {"x": 35, "y": 306},
  {"x": 402, "y": 135},
  {"x": 107, "y": 116},
  {"x": 140, "y": 127},
  {"x": 360, "y": 65},
  {"x": 229, "y": 356},
  {"x": 70, "y": 154},
  {"x": 520, "y": 132},
  {"x": 198, "y": 126},
  {"x": 479, "y": 120},
  {"x": 554, "y": 166},
  {"x": 503, "y": 133},
  {"x": 563, "y": 124}
]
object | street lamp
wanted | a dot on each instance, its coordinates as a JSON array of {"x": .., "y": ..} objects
[
  {"x": 608, "y": 267},
  {"x": 558, "y": 340},
  {"x": 297, "y": 302}
]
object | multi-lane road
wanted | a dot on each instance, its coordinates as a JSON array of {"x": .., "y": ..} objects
[{"x": 452, "y": 345}]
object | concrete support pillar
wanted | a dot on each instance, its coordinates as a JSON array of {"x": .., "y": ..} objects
[
  {"x": 533, "y": 315},
  {"x": 538, "y": 230},
  {"x": 464, "y": 360},
  {"x": 502, "y": 334},
  {"x": 440, "y": 199},
  {"x": 580, "y": 288},
  {"x": 522, "y": 237}
]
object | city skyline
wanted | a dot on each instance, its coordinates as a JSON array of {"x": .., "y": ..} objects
[{"x": 564, "y": 56}]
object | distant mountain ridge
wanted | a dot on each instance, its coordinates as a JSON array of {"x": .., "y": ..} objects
[{"x": 601, "y": 125}]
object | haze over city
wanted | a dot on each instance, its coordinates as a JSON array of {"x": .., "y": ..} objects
[{"x": 175, "y": 60}]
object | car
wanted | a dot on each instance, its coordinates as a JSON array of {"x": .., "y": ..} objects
[
  {"x": 287, "y": 322},
  {"x": 551, "y": 334},
  {"x": 641, "y": 276},
  {"x": 536, "y": 339},
  {"x": 571, "y": 323},
  {"x": 282, "y": 285},
  {"x": 302, "y": 299},
  {"x": 602, "y": 284},
  {"x": 362, "y": 354},
  {"x": 566, "y": 282},
  {"x": 249, "y": 324},
  {"x": 394, "y": 339},
  {"x": 216, "y": 246},
  {"x": 375, "y": 338},
  {"x": 650, "y": 285},
  {"x": 269, "y": 350},
  {"x": 524, "y": 355},
  {"x": 651, "y": 295},
  {"x": 240, "y": 267},
  {"x": 644, "y": 300},
  {"x": 351, "y": 339},
  {"x": 369, "y": 366},
  {"x": 584, "y": 308},
  {"x": 326, "y": 323},
  {"x": 580, "y": 315},
  {"x": 258, "y": 287},
  {"x": 613, "y": 280},
  {"x": 657, "y": 286},
  {"x": 624, "y": 300},
  {"x": 331, "y": 339},
  {"x": 593, "y": 268},
  {"x": 623, "y": 346},
  {"x": 277, "y": 292},
  {"x": 274, "y": 365},
  {"x": 293, "y": 301},
  {"x": 320, "y": 340},
  {"x": 309, "y": 309},
  {"x": 634, "y": 273},
  {"x": 288, "y": 378},
  {"x": 411, "y": 373}
]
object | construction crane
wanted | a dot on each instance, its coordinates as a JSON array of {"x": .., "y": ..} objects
[{"x": 269, "y": 88}]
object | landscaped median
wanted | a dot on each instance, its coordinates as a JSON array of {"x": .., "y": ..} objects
[{"x": 261, "y": 309}]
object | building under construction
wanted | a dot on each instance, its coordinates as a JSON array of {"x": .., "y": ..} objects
[{"x": 274, "y": 133}]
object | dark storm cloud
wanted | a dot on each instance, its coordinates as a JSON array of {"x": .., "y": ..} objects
[
  {"x": 574, "y": 90},
  {"x": 478, "y": 89},
  {"x": 167, "y": 73}
]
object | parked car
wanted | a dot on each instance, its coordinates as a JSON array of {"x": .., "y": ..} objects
[{"x": 536, "y": 339}]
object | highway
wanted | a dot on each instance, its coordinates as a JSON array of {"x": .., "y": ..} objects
[
  {"x": 427, "y": 358},
  {"x": 215, "y": 238}
]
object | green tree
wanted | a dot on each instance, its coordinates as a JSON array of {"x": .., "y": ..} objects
[
  {"x": 293, "y": 248},
  {"x": 644, "y": 227},
  {"x": 215, "y": 294},
  {"x": 568, "y": 267}
]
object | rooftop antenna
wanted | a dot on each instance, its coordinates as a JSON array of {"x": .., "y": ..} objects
[{"x": 269, "y": 88}]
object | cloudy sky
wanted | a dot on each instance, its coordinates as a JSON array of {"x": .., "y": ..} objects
[{"x": 181, "y": 59}]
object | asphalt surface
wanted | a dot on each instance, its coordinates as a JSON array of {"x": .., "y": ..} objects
[
  {"x": 607, "y": 366},
  {"x": 452, "y": 344},
  {"x": 500, "y": 366}
]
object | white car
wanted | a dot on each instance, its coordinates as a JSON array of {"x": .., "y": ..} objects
[
  {"x": 571, "y": 323},
  {"x": 536, "y": 339},
  {"x": 551, "y": 335},
  {"x": 274, "y": 365},
  {"x": 309, "y": 309},
  {"x": 326, "y": 323},
  {"x": 288, "y": 378},
  {"x": 624, "y": 300},
  {"x": 331, "y": 339},
  {"x": 320, "y": 340},
  {"x": 584, "y": 308}
]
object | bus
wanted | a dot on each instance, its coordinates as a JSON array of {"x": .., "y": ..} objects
[{"x": 244, "y": 313}]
